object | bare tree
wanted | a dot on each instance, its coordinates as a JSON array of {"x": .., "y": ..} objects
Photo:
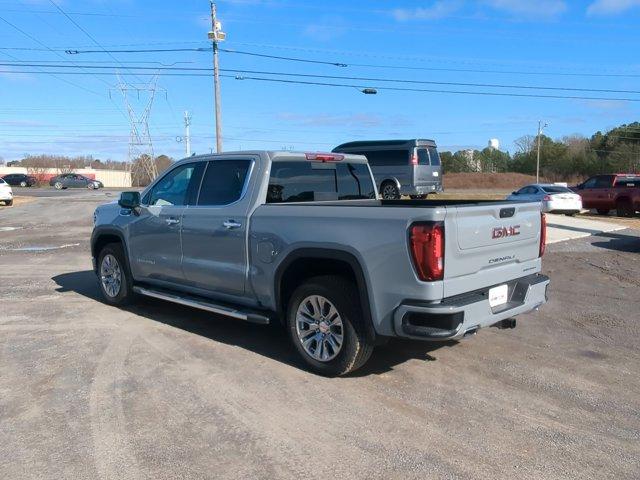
[{"x": 525, "y": 144}]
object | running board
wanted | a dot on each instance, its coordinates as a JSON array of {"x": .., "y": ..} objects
[{"x": 204, "y": 304}]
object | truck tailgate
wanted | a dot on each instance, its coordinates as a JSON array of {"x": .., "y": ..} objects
[{"x": 490, "y": 244}]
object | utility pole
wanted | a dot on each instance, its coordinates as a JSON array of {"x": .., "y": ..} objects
[
  {"x": 540, "y": 129},
  {"x": 187, "y": 133},
  {"x": 216, "y": 35}
]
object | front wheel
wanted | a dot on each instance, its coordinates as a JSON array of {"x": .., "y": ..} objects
[
  {"x": 325, "y": 323},
  {"x": 23, "y": 184},
  {"x": 113, "y": 274},
  {"x": 8, "y": 203},
  {"x": 58, "y": 186}
]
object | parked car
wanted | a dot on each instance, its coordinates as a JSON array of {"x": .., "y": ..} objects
[
  {"x": 608, "y": 192},
  {"x": 74, "y": 180},
  {"x": 401, "y": 167},
  {"x": 6, "y": 194},
  {"x": 554, "y": 198},
  {"x": 302, "y": 239},
  {"x": 20, "y": 179}
]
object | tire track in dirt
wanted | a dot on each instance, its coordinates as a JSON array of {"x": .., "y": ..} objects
[{"x": 113, "y": 450}]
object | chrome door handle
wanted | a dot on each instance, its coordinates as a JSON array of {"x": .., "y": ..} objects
[
  {"x": 172, "y": 221},
  {"x": 230, "y": 224}
]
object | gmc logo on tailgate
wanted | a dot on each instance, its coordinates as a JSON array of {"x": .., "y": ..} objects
[{"x": 502, "y": 232}]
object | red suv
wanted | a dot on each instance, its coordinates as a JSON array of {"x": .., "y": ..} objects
[{"x": 607, "y": 192}]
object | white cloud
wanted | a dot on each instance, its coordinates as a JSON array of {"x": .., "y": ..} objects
[
  {"x": 611, "y": 7},
  {"x": 435, "y": 11},
  {"x": 545, "y": 9}
]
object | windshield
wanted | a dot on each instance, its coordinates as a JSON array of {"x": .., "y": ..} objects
[{"x": 555, "y": 189}]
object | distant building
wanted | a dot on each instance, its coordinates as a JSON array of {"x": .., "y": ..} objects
[{"x": 494, "y": 143}]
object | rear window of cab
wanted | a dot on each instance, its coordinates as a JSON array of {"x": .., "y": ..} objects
[{"x": 318, "y": 181}]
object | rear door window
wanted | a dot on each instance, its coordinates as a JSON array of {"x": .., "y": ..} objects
[
  {"x": 603, "y": 182},
  {"x": 224, "y": 182}
]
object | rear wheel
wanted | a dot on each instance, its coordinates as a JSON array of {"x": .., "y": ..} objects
[
  {"x": 325, "y": 323},
  {"x": 390, "y": 191},
  {"x": 602, "y": 211},
  {"x": 114, "y": 276},
  {"x": 624, "y": 208}
]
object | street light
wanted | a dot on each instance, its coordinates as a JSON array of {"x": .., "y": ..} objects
[{"x": 540, "y": 129}]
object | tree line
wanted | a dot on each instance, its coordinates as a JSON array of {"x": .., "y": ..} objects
[{"x": 566, "y": 159}]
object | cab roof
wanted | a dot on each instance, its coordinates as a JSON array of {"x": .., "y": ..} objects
[{"x": 416, "y": 142}]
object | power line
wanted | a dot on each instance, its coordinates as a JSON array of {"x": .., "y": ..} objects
[
  {"x": 360, "y": 87},
  {"x": 40, "y": 70},
  {"x": 368, "y": 65},
  {"x": 457, "y": 92},
  {"x": 341, "y": 77},
  {"x": 83, "y": 30}
]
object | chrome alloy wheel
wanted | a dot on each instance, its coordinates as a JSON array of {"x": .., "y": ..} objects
[
  {"x": 110, "y": 275},
  {"x": 319, "y": 328}
]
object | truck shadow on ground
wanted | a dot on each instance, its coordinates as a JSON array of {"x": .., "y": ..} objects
[
  {"x": 270, "y": 341},
  {"x": 619, "y": 242}
]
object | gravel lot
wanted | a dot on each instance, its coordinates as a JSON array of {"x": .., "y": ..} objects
[{"x": 161, "y": 391}]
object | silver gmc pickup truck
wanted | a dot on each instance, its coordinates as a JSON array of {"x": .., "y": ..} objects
[{"x": 303, "y": 240}]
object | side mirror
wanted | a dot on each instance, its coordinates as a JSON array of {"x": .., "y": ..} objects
[
  {"x": 129, "y": 200},
  {"x": 515, "y": 193}
]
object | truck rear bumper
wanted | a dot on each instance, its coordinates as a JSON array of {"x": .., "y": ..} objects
[{"x": 457, "y": 316}]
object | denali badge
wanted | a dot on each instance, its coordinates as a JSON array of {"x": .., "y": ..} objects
[{"x": 501, "y": 232}]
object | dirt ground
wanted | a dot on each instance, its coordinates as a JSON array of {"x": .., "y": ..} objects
[{"x": 161, "y": 391}]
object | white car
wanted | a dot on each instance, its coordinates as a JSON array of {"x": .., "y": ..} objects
[
  {"x": 554, "y": 198},
  {"x": 6, "y": 194}
]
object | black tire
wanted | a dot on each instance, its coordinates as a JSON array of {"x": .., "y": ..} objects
[
  {"x": 389, "y": 191},
  {"x": 58, "y": 186},
  {"x": 8, "y": 203},
  {"x": 419, "y": 197},
  {"x": 125, "y": 293},
  {"x": 355, "y": 348},
  {"x": 624, "y": 208},
  {"x": 23, "y": 184},
  {"x": 602, "y": 211}
]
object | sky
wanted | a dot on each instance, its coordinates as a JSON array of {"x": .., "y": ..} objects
[{"x": 414, "y": 53}]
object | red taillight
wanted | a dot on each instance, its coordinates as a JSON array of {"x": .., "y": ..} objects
[
  {"x": 324, "y": 157},
  {"x": 414, "y": 159},
  {"x": 426, "y": 241},
  {"x": 543, "y": 233}
]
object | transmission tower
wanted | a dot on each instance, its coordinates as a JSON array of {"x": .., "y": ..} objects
[{"x": 140, "y": 144}]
